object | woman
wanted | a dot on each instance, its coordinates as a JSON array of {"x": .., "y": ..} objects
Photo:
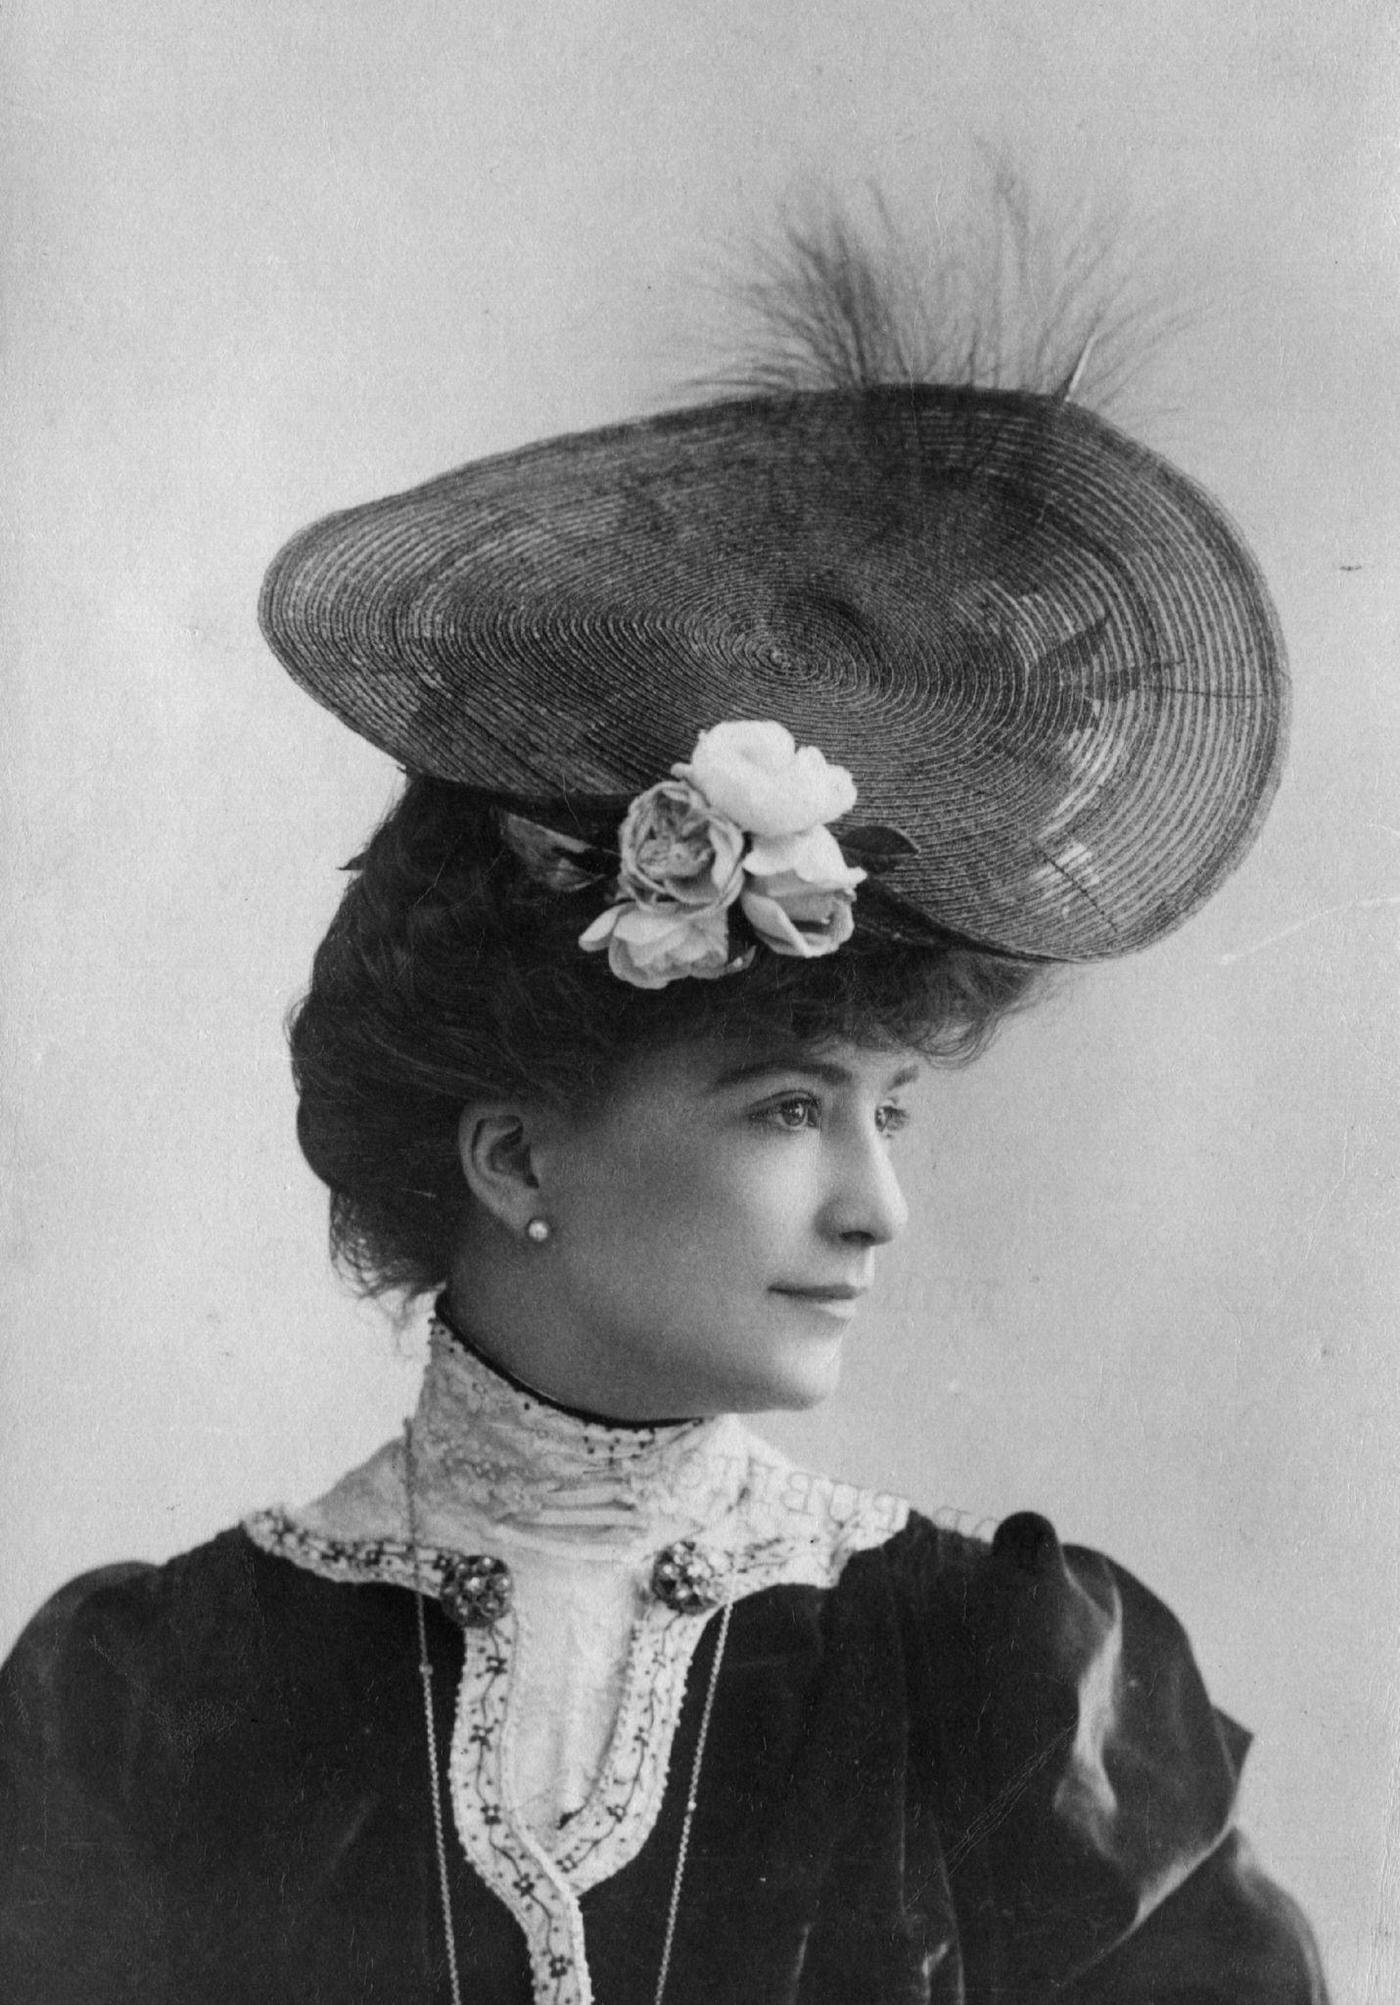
[{"x": 760, "y": 756}]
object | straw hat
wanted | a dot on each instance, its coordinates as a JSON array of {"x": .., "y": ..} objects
[{"x": 1045, "y": 656}]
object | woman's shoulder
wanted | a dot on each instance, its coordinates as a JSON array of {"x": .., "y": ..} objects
[
  {"x": 220, "y": 1616},
  {"x": 1059, "y": 1640},
  {"x": 107, "y": 1608},
  {"x": 220, "y": 1661},
  {"x": 1018, "y": 1571},
  {"x": 1078, "y": 1756}
]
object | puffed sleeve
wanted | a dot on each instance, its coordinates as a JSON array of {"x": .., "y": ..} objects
[
  {"x": 1089, "y": 1793},
  {"x": 80, "y": 1902}
]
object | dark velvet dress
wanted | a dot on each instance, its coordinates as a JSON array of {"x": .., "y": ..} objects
[{"x": 965, "y": 1773}]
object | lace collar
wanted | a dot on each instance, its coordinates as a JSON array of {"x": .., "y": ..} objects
[{"x": 492, "y": 1457}]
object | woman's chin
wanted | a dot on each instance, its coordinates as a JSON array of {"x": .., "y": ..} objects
[{"x": 792, "y": 1384}]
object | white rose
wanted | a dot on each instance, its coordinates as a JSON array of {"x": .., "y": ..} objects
[
  {"x": 754, "y": 773},
  {"x": 799, "y": 893},
  {"x": 795, "y": 919},
  {"x": 813, "y": 856},
  {"x": 649, "y": 946}
]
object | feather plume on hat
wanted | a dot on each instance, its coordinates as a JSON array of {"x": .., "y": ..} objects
[{"x": 834, "y": 302}]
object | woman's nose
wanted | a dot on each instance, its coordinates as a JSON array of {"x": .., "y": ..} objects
[{"x": 867, "y": 1204}]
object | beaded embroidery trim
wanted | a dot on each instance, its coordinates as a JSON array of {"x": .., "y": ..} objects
[{"x": 541, "y": 1887}]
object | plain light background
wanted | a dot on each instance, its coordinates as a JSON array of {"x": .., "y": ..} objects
[{"x": 268, "y": 259}]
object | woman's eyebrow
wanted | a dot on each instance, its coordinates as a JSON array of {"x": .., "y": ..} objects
[
  {"x": 824, "y": 1069},
  {"x": 761, "y": 1068}
]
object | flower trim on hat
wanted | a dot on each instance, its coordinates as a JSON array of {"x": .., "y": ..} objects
[{"x": 742, "y": 822}]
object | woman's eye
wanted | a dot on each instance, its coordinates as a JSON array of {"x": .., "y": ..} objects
[
  {"x": 890, "y": 1119},
  {"x": 793, "y": 1113}
]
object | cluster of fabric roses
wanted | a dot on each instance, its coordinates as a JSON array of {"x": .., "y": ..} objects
[{"x": 742, "y": 822}]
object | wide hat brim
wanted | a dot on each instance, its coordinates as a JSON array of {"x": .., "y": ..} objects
[{"x": 1044, "y": 654}]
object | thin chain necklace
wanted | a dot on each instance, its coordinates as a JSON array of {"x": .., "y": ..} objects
[
  {"x": 425, "y": 1673},
  {"x": 683, "y": 1849}
]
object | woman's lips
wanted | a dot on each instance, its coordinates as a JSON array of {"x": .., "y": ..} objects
[
  {"x": 823, "y": 1291},
  {"x": 838, "y": 1300}
]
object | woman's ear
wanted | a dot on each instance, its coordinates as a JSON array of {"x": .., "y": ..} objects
[{"x": 496, "y": 1144}]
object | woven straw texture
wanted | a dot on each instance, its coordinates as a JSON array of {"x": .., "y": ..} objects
[{"x": 1044, "y": 654}]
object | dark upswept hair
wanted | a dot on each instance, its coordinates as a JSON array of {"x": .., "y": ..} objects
[{"x": 450, "y": 973}]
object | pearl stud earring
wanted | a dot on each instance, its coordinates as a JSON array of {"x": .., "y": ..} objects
[{"x": 537, "y": 1231}]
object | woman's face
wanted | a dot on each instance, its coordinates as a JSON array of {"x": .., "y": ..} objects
[{"x": 714, "y": 1227}]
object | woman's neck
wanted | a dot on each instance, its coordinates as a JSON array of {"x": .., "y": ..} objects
[{"x": 461, "y": 1333}]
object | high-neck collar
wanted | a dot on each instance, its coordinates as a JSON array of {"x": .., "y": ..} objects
[{"x": 489, "y": 1449}]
